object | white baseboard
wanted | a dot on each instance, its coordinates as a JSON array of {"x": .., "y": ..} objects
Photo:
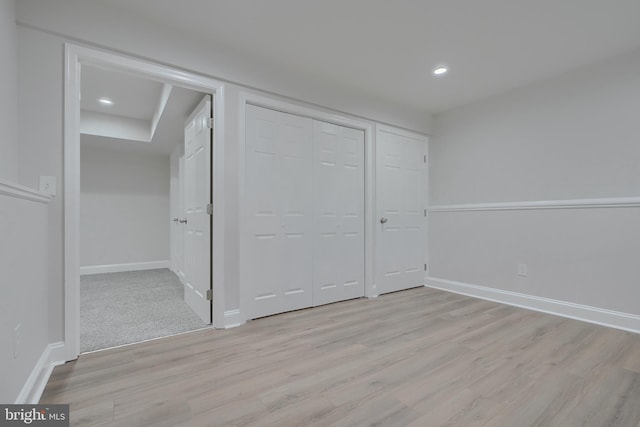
[
  {"x": 181, "y": 276},
  {"x": 37, "y": 380},
  {"x": 117, "y": 268},
  {"x": 232, "y": 319},
  {"x": 599, "y": 316}
]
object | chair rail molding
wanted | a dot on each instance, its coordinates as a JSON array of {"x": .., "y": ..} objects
[
  {"x": 12, "y": 189},
  {"x": 613, "y": 202}
]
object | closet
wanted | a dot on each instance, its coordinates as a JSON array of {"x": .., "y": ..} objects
[{"x": 304, "y": 213}]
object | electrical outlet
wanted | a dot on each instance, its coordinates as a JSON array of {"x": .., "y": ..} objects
[
  {"x": 47, "y": 185},
  {"x": 17, "y": 338},
  {"x": 522, "y": 270}
]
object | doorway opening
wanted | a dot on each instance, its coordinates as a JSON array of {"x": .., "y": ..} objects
[
  {"x": 133, "y": 282},
  {"x": 124, "y": 141}
]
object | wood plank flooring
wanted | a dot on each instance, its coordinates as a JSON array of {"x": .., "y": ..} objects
[{"x": 420, "y": 357}]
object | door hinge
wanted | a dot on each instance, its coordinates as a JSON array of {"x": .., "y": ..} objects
[
  {"x": 425, "y": 267},
  {"x": 425, "y": 212},
  {"x": 210, "y": 122},
  {"x": 209, "y": 209},
  {"x": 209, "y": 294},
  {"x": 425, "y": 158}
]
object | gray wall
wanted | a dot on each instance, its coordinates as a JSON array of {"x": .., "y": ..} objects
[
  {"x": 8, "y": 92},
  {"x": 571, "y": 137},
  {"x": 94, "y": 23},
  {"x": 124, "y": 206},
  {"x": 40, "y": 88},
  {"x": 41, "y": 56},
  {"x": 23, "y": 238},
  {"x": 23, "y": 291}
]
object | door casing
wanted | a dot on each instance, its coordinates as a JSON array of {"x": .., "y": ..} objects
[{"x": 75, "y": 57}]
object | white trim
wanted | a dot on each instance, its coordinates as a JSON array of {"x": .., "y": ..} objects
[
  {"x": 283, "y": 106},
  {"x": 599, "y": 316},
  {"x": 71, "y": 237},
  {"x": 370, "y": 289},
  {"x": 614, "y": 202},
  {"x": 76, "y": 55},
  {"x": 249, "y": 98},
  {"x": 37, "y": 380},
  {"x": 218, "y": 226},
  {"x": 402, "y": 132},
  {"x": 232, "y": 319},
  {"x": 116, "y": 268},
  {"x": 18, "y": 191}
]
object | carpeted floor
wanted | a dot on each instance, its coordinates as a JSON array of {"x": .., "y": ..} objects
[{"x": 123, "y": 308}]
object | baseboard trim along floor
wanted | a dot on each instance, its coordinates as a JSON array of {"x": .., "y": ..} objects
[{"x": 599, "y": 316}]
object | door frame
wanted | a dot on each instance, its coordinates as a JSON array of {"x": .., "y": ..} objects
[
  {"x": 76, "y": 56},
  {"x": 249, "y": 98}
]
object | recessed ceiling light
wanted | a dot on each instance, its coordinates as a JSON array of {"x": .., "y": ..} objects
[
  {"x": 438, "y": 71},
  {"x": 105, "y": 101}
]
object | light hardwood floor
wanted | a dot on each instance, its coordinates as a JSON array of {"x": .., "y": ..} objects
[{"x": 421, "y": 357}]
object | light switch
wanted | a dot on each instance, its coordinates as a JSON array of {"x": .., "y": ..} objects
[{"x": 47, "y": 185}]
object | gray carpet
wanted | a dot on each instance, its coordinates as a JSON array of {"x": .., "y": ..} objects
[{"x": 123, "y": 308}]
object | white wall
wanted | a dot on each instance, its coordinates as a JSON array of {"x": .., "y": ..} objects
[
  {"x": 124, "y": 206},
  {"x": 40, "y": 89},
  {"x": 575, "y": 136},
  {"x": 23, "y": 290},
  {"x": 8, "y": 92},
  {"x": 44, "y": 27},
  {"x": 94, "y": 22},
  {"x": 571, "y": 137},
  {"x": 24, "y": 235}
]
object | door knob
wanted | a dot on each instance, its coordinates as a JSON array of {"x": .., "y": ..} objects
[
  {"x": 183, "y": 221},
  {"x": 383, "y": 220},
  {"x": 175, "y": 220}
]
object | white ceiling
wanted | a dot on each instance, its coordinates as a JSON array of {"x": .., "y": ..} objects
[
  {"x": 136, "y": 98},
  {"x": 132, "y": 96},
  {"x": 389, "y": 48}
]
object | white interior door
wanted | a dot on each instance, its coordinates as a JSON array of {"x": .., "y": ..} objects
[
  {"x": 277, "y": 258},
  {"x": 401, "y": 198},
  {"x": 174, "y": 208},
  {"x": 197, "y": 252},
  {"x": 174, "y": 196},
  {"x": 338, "y": 200},
  {"x": 182, "y": 213}
]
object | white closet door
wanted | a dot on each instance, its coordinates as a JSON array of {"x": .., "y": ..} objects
[
  {"x": 401, "y": 189},
  {"x": 278, "y": 255},
  {"x": 338, "y": 193}
]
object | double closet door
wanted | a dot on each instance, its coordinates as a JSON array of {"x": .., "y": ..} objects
[{"x": 304, "y": 230}]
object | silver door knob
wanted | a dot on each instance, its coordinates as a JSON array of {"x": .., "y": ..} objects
[
  {"x": 175, "y": 220},
  {"x": 383, "y": 220},
  {"x": 183, "y": 221}
]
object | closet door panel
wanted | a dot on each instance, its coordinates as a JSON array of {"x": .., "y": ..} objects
[
  {"x": 278, "y": 254},
  {"x": 296, "y": 215},
  {"x": 338, "y": 178},
  {"x": 304, "y": 241}
]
